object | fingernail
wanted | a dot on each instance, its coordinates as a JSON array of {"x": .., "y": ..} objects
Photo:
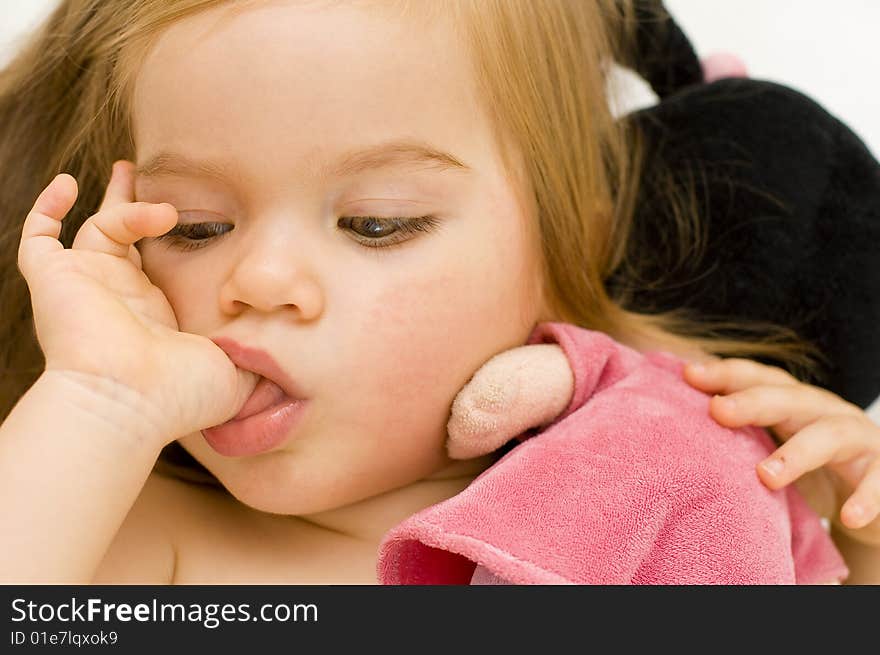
[
  {"x": 699, "y": 369},
  {"x": 857, "y": 513},
  {"x": 772, "y": 466}
]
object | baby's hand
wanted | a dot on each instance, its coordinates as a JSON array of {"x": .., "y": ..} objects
[
  {"x": 102, "y": 323},
  {"x": 818, "y": 428},
  {"x": 516, "y": 390}
]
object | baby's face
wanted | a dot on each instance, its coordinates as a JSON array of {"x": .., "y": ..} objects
[{"x": 380, "y": 339}]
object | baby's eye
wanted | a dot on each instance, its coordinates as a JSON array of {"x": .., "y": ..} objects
[
  {"x": 191, "y": 236},
  {"x": 384, "y": 232},
  {"x": 371, "y": 232}
]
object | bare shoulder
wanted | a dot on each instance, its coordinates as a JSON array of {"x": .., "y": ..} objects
[{"x": 146, "y": 547}]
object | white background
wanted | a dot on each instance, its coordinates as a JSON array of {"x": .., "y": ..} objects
[
  {"x": 826, "y": 49},
  {"x": 819, "y": 47}
]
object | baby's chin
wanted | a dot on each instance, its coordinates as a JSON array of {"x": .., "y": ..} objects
[
  {"x": 297, "y": 480},
  {"x": 285, "y": 499},
  {"x": 279, "y": 483},
  {"x": 274, "y": 501}
]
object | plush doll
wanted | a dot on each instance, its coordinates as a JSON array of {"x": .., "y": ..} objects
[
  {"x": 632, "y": 483},
  {"x": 791, "y": 202}
]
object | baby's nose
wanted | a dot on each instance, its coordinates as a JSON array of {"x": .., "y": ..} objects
[{"x": 272, "y": 283}]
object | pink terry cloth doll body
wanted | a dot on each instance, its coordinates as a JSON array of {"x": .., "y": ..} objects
[{"x": 632, "y": 483}]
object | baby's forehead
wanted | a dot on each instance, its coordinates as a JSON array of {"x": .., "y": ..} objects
[
  {"x": 329, "y": 21},
  {"x": 304, "y": 78},
  {"x": 301, "y": 45}
]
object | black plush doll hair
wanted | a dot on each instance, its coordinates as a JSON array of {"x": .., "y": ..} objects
[{"x": 790, "y": 197}]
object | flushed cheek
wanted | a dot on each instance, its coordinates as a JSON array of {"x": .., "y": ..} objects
[
  {"x": 421, "y": 341},
  {"x": 408, "y": 335}
]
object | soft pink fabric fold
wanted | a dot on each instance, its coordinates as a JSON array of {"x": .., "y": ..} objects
[{"x": 633, "y": 483}]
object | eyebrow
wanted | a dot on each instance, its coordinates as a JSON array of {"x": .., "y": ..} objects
[{"x": 383, "y": 155}]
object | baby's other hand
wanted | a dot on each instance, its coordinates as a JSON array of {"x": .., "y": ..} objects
[
  {"x": 516, "y": 390},
  {"x": 818, "y": 429}
]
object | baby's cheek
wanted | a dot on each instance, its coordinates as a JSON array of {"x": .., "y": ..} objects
[
  {"x": 178, "y": 286},
  {"x": 430, "y": 335},
  {"x": 421, "y": 330}
]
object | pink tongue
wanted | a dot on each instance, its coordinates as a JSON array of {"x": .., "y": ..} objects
[{"x": 264, "y": 395}]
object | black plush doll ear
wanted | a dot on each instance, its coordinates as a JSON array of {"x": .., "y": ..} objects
[
  {"x": 665, "y": 57},
  {"x": 789, "y": 199}
]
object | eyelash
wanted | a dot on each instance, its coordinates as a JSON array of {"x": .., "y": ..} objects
[{"x": 180, "y": 237}]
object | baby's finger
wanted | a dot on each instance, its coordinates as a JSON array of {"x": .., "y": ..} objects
[
  {"x": 135, "y": 256},
  {"x": 120, "y": 189},
  {"x": 115, "y": 229},
  {"x": 864, "y": 505},
  {"x": 734, "y": 374},
  {"x": 786, "y": 408},
  {"x": 830, "y": 439},
  {"x": 42, "y": 226}
]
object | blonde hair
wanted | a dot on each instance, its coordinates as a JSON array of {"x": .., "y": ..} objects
[{"x": 542, "y": 68}]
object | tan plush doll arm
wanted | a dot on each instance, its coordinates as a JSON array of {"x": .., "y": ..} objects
[{"x": 517, "y": 389}]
